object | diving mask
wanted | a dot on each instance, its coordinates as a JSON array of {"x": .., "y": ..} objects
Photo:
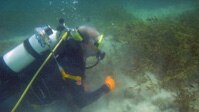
[
  {"x": 77, "y": 36},
  {"x": 98, "y": 43}
]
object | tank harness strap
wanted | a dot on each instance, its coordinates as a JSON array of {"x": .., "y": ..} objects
[
  {"x": 30, "y": 50},
  {"x": 64, "y": 74},
  {"x": 68, "y": 76}
]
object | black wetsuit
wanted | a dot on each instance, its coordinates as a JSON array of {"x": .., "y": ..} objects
[{"x": 70, "y": 56}]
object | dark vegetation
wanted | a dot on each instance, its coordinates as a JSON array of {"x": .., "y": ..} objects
[{"x": 166, "y": 47}]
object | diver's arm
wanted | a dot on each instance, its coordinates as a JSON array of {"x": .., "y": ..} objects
[
  {"x": 90, "y": 97},
  {"x": 83, "y": 98}
]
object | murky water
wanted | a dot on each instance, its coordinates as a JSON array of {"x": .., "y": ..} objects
[{"x": 152, "y": 49}]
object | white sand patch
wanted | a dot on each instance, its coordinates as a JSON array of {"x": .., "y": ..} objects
[{"x": 131, "y": 96}]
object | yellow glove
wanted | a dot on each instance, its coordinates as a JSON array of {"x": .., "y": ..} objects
[{"x": 110, "y": 83}]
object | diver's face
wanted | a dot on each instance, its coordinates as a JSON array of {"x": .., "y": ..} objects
[{"x": 89, "y": 48}]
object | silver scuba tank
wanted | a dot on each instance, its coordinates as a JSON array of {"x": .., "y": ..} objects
[{"x": 32, "y": 48}]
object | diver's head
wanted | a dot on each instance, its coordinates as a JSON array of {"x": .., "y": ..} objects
[{"x": 91, "y": 41}]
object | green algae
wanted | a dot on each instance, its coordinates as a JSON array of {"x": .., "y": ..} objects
[{"x": 167, "y": 47}]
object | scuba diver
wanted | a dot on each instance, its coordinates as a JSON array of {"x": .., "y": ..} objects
[{"x": 63, "y": 75}]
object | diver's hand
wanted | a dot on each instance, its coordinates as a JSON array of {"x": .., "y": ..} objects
[{"x": 110, "y": 83}]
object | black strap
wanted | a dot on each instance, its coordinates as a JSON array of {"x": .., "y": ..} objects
[{"x": 30, "y": 50}]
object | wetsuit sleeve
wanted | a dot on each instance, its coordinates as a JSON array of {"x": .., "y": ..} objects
[{"x": 83, "y": 98}]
